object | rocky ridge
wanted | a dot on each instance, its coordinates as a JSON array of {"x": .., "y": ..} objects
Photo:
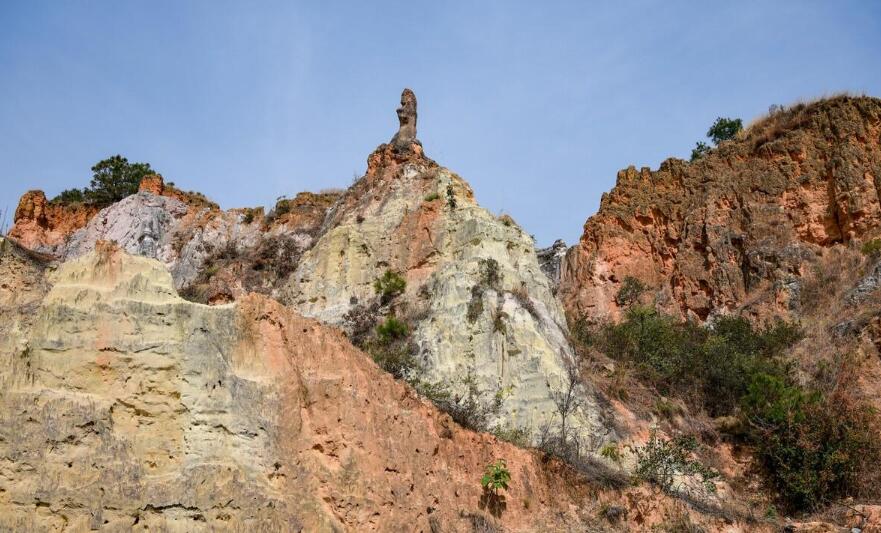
[
  {"x": 478, "y": 302},
  {"x": 123, "y": 401},
  {"x": 750, "y": 217},
  {"x": 321, "y": 254}
]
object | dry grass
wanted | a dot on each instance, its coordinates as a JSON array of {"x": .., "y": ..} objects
[{"x": 771, "y": 126}]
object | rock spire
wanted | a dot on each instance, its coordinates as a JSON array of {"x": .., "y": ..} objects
[{"x": 407, "y": 117}]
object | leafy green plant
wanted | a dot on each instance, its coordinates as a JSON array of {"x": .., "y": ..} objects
[
  {"x": 468, "y": 406},
  {"x": 282, "y": 207},
  {"x": 515, "y": 435},
  {"x": 393, "y": 350},
  {"x": 392, "y": 329},
  {"x": 710, "y": 368},
  {"x": 816, "y": 442},
  {"x": 723, "y": 129},
  {"x": 815, "y": 447},
  {"x": 490, "y": 275},
  {"x": 69, "y": 196},
  {"x": 396, "y": 358},
  {"x": 611, "y": 452},
  {"x": 496, "y": 477},
  {"x": 113, "y": 179},
  {"x": 388, "y": 286},
  {"x": 248, "y": 216},
  {"x": 701, "y": 149},
  {"x": 475, "y": 304},
  {"x": 490, "y": 278},
  {"x": 430, "y": 197}
]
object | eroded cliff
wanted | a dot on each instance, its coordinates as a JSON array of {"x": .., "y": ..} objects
[
  {"x": 125, "y": 407},
  {"x": 749, "y": 217}
]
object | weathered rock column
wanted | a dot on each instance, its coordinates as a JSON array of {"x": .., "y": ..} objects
[{"x": 407, "y": 117}]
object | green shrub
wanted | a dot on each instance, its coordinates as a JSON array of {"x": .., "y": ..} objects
[
  {"x": 701, "y": 149},
  {"x": 113, "y": 179},
  {"x": 496, "y": 476},
  {"x": 815, "y": 443},
  {"x": 872, "y": 248},
  {"x": 475, "y": 304},
  {"x": 69, "y": 196},
  {"x": 611, "y": 452},
  {"x": 724, "y": 129},
  {"x": 710, "y": 368},
  {"x": 391, "y": 284},
  {"x": 451, "y": 197},
  {"x": 660, "y": 461},
  {"x": 490, "y": 276},
  {"x": 392, "y": 329},
  {"x": 282, "y": 207},
  {"x": 515, "y": 435},
  {"x": 396, "y": 358},
  {"x": 393, "y": 350},
  {"x": 656, "y": 343},
  {"x": 430, "y": 197},
  {"x": 814, "y": 447}
]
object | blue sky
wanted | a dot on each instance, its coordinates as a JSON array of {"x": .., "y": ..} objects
[{"x": 536, "y": 104}]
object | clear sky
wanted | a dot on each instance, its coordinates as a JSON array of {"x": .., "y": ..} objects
[{"x": 536, "y": 104}]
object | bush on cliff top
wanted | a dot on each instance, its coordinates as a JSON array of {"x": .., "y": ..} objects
[
  {"x": 723, "y": 129},
  {"x": 113, "y": 179},
  {"x": 69, "y": 196}
]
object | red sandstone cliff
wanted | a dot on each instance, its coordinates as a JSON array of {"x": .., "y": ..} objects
[{"x": 752, "y": 214}]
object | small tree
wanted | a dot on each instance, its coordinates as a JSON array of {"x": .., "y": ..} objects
[
  {"x": 724, "y": 129},
  {"x": 392, "y": 329},
  {"x": 115, "y": 178},
  {"x": 630, "y": 291},
  {"x": 660, "y": 461},
  {"x": 566, "y": 398},
  {"x": 451, "y": 197},
  {"x": 700, "y": 150}
]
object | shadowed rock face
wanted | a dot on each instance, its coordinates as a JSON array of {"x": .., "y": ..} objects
[{"x": 407, "y": 118}]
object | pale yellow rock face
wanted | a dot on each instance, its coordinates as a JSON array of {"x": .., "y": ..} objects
[
  {"x": 401, "y": 220},
  {"x": 125, "y": 408}
]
